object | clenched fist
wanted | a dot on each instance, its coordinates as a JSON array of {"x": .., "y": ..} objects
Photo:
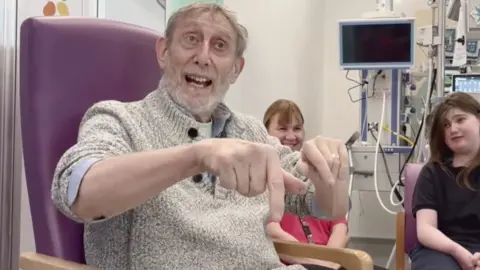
[
  {"x": 324, "y": 160},
  {"x": 250, "y": 169}
]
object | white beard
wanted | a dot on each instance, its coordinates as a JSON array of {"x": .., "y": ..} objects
[{"x": 196, "y": 107}]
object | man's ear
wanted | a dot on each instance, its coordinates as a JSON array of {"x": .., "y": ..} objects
[
  {"x": 161, "y": 48},
  {"x": 238, "y": 67}
]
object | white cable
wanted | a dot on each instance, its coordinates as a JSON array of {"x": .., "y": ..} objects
[
  {"x": 392, "y": 191},
  {"x": 377, "y": 150}
]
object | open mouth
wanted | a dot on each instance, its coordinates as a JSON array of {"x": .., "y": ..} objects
[
  {"x": 457, "y": 138},
  {"x": 198, "y": 81},
  {"x": 289, "y": 144}
]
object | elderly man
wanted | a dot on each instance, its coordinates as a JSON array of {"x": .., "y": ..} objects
[{"x": 179, "y": 181}]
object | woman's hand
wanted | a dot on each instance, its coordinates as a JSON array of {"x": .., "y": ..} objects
[{"x": 275, "y": 231}]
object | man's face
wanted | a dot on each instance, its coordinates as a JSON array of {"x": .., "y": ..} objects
[{"x": 200, "y": 62}]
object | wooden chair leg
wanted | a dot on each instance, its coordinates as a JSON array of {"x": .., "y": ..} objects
[{"x": 400, "y": 242}]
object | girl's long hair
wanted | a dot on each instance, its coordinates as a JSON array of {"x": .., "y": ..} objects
[{"x": 439, "y": 151}]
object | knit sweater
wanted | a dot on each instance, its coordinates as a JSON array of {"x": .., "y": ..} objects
[{"x": 189, "y": 225}]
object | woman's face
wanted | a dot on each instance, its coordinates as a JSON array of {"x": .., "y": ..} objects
[
  {"x": 462, "y": 132},
  {"x": 291, "y": 135}
]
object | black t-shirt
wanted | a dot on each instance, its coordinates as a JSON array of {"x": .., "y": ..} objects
[{"x": 458, "y": 208}]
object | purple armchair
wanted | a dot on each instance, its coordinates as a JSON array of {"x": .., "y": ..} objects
[
  {"x": 406, "y": 231},
  {"x": 66, "y": 65}
]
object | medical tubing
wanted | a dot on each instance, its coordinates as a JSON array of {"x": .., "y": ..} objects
[
  {"x": 393, "y": 185},
  {"x": 377, "y": 150}
]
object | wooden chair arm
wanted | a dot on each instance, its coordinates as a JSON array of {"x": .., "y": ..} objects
[
  {"x": 35, "y": 261},
  {"x": 349, "y": 258}
]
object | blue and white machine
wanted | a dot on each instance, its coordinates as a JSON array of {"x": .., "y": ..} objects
[
  {"x": 379, "y": 43},
  {"x": 381, "y": 48}
]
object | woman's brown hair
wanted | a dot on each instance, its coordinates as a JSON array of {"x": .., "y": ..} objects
[
  {"x": 439, "y": 151},
  {"x": 286, "y": 109}
]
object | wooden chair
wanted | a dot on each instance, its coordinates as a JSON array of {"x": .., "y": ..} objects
[
  {"x": 406, "y": 231},
  {"x": 348, "y": 258}
]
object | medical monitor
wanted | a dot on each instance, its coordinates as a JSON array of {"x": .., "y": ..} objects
[
  {"x": 466, "y": 83},
  {"x": 377, "y": 43}
]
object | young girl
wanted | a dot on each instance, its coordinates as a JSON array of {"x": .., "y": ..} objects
[
  {"x": 284, "y": 120},
  {"x": 446, "y": 200}
]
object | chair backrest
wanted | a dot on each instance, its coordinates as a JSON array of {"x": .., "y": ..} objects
[
  {"x": 411, "y": 172},
  {"x": 66, "y": 65}
]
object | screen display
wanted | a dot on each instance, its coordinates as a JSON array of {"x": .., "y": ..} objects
[
  {"x": 467, "y": 84},
  {"x": 376, "y": 43}
]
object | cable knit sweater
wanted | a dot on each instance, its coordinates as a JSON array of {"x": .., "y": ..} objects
[{"x": 189, "y": 225}]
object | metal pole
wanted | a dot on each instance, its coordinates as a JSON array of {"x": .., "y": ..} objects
[
  {"x": 384, "y": 5},
  {"x": 464, "y": 8},
  {"x": 10, "y": 146},
  {"x": 441, "y": 48},
  {"x": 389, "y": 5}
]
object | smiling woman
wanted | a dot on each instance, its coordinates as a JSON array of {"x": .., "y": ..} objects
[{"x": 284, "y": 120}]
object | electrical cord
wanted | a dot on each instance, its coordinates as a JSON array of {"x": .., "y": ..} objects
[
  {"x": 362, "y": 85},
  {"x": 400, "y": 136}
]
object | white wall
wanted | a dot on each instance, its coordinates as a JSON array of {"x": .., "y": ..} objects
[
  {"x": 284, "y": 58},
  {"x": 146, "y": 13}
]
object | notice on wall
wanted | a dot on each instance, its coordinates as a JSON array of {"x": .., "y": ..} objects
[
  {"x": 31, "y": 8},
  {"x": 59, "y": 8},
  {"x": 35, "y": 8},
  {"x": 174, "y": 5}
]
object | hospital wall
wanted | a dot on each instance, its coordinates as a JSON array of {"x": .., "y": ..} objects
[{"x": 293, "y": 54}]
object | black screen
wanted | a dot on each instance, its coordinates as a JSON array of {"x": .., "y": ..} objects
[{"x": 378, "y": 43}]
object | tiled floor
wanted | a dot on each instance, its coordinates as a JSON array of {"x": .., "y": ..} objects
[{"x": 379, "y": 249}]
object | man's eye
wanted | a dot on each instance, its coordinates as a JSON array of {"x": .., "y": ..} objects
[
  {"x": 191, "y": 39},
  {"x": 220, "y": 45}
]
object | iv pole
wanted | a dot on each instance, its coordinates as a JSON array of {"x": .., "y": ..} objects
[{"x": 441, "y": 4}]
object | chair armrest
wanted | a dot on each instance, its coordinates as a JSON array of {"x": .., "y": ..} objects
[
  {"x": 35, "y": 261},
  {"x": 348, "y": 258}
]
